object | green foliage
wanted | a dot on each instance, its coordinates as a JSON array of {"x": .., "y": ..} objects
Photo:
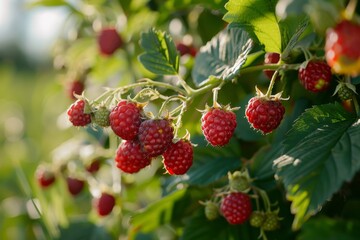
[
  {"x": 83, "y": 230},
  {"x": 160, "y": 55},
  {"x": 329, "y": 228},
  {"x": 319, "y": 154},
  {"x": 223, "y": 56},
  {"x": 258, "y": 17}
]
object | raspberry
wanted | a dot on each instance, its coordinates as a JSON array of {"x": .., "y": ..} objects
[
  {"x": 185, "y": 49},
  {"x": 257, "y": 219},
  {"x": 101, "y": 117},
  {"x": 271, "y": 58},
  {"x": 45, "y": 177},
  {"x": 236, "y": 207},
  {"x": 264, "y": 114},
  {"x": 105, "y": 204},
  {"x": 155, "y": 136},
  {"x": 75, "y": 87},
  {"x": 271, "y": 222},
  {"x": 315, "y": 76},
  {"x": 125, "y": 120},
  {"x": 76, "y": 114},
  {"x": 130, "y": 157},
  {"x": 178, "y": 157},
  {"x": 93, "y": 167},
  {"x": 75, "y": 185},
  {"x": 341, "y": 51},
  {"x": 345, "y": 93},
  {"x": 211, "y": 210},
  {"x": 218, "y": 126},
  {"x": 109, "y": 41}
]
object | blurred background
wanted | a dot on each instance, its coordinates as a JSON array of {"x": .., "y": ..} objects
[{"x": 29, "y": 108}]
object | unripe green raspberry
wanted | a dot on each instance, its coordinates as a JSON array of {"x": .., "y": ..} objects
[
  {"x": 101, "y": 117},
  {"x": 257, "y": 219},
  {"x": 239, "y": 181},
  {"x": 211, "y": 210},
  {"x": 345, "y": 93},
  {"x": 271, "y": 222}
]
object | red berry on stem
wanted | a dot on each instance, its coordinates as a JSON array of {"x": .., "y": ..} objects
[
  {"x": 75, "y": 87},
  {"x": 76, "y": 114},
  {"x": 315, "y": 75},
  {"x": 178, "y": 157},
  {"x": 130, "y": 157},
  {"x": 155, "y": 136},
  {"x": 218, "y": 126},
  {"x": 105, "y": 204},
  {"x": 75, "y": 185},
  {"x": 125, "y": 119},
  {"x": 109, "y": 41},
  {"x": 93, "y": 167},
  {"x": 264, "y": 115},
  {"x": 271, "y": 58},
  {"x": 236, "y": 207},
  {"x": 45, "y": 177},
  {"x": 341, "y": 48}
]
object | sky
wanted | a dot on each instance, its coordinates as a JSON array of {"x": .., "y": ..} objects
[{"x": 33, "y": 30}]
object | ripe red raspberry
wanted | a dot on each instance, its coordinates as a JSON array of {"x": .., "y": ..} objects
[
  {"x": 130, "y": 157},
  {"x": 45, "y": 177},
  {"x": 155, "y": 136},
  {"x": 109, "y": 41},
  {"x": 75, "y": 185},
  {"x": 125, "y": 119},
  {"x": 178, "y": 157},
  {"x": 74, "y": 87},
  {"x": 236, "y": 207},
  {"x": 264, "y": 115},
  {"x": 341, "y": 51},
  {"x": 94, "y": 166},
  {"x": 218, "y": 126},
  {"x": 105, "y": 204},
  {"x": 271, "y": 58},
  {"x": 76, "y": 114},
  {"x": 315, "y": 76}
]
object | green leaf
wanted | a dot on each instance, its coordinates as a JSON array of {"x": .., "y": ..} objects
[
  {"x": 83, "y": 230},
  {"x": 331, "y": 229},
  {"x": 47, "y": 3},
  {"x": 223, "y": 56},
  {"x": 320, "y": 152},
  {"x": 198, "y": 227},
  {"x": 160, "y": 56},
  {"x": 258, "y": 17},
  {"x": 156, "y": 214}
]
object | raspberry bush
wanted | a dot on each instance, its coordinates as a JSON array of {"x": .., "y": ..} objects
[{"x": 183, "y": 135}]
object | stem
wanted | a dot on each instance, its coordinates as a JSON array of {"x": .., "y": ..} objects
[
  {"x": 206, "y": 88},
  {"x": 182, "y": 82},
  {"x": 356, "y": 105},
  {"x": 350, "y": 9},
  {"x": 141, "y": 83},
  {"x": 169, "y": 99},
  {"x": 272, "y": 82},
  {"x": 179, "y": 117}
]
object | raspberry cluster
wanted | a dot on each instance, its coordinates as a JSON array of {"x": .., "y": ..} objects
[{"x": 145, "y": 139}]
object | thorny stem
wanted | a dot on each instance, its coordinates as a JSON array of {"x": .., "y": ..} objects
[{"x": 182, "y": 82}]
